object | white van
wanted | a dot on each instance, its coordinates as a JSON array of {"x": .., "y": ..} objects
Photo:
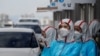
[{"x": 18, "y": 42}]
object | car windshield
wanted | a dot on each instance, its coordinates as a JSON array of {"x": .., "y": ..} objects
[
  {"x": 36, "y": 28},
  {"x": 29, "y": 20},
  {"x": 17, "y": 40}
]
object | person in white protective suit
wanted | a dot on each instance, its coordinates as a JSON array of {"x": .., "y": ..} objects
[
  {"x": 66, "y": 30},
  {"x": 89, "y": 45},
  {"x": 49, "y": 34},
  {"x": 73, "y": 47},
  {"x": 94, "y": 27},
  {"x": 65, "y": 44}
]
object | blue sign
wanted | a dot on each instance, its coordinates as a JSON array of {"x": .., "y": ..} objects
[
  {"x": 53, "y": 4},
  {"x": 61, "y": 1}
]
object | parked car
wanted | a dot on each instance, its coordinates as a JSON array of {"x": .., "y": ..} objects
[
  {"x": 7, "y": 24},
  {"x": 18, "y": 42},
  {"x": 35, "y": 26}
]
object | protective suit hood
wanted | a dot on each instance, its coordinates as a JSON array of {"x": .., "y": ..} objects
[
  {"x": 94, "y": 26},
  {"x": 70, "y": 37},
  {"x": 84, "y": 26},
  {"x": 50, "y": 34}
]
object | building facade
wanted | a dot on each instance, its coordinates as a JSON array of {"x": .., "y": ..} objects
[
  {"x": 75, "y": 10},
  {"x": 5, "y": 21}
]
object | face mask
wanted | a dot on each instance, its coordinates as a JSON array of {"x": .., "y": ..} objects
[
  {"x": 77, "y": 35},
  {"x": 63, "y": 32}
]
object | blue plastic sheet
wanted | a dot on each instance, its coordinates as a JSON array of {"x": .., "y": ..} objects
[
  {"x": 60, "y": 48},
  {"x": 72, "y": 49},
  {"x": 56, "y": 48},
  {"x": 46, "y": 52},
  {"x": 89, "y": 48}
]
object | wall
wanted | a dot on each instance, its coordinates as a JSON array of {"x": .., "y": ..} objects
[{"x": 97, "y": 10}]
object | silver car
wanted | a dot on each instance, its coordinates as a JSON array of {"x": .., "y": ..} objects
[
  {"x": 18, "y": 42},
  {"x": 35, "y": 26}
]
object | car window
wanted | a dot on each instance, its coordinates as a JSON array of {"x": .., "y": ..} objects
[
  {"x": 36, "y": 28},
  {"x": 17, "y": 40},
  {"x": 29, "y": 20}
]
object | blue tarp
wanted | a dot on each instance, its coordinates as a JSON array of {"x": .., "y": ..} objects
[
  {"x": 72, "y": 49},
  {"x": 60, "y": 48},
  {"x": 89, "y": 48},
  {"x": 46, "y": 52},
  {"x": 57, "y": 47},
  {"x": 54, "y": 50}
]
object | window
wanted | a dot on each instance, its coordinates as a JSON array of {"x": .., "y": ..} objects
[
  {"x": 17, "y": 40},
  {"x": 29, "y": 20},
  {"x": 36, "y": 28}
]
